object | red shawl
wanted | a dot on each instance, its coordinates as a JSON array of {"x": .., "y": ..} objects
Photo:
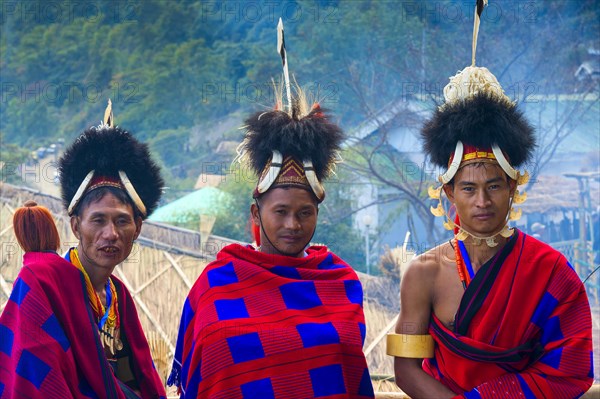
[
  {"x": 49, "y": 341},
  {"x": 265, "y": 326},
  {"x": 523, "y": 329}
]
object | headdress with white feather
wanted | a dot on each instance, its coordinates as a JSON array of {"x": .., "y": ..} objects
[
  {"x": 292, "y": 145},
  {"x": 107, "y": 155},
  {"x": 477, "y": 123}
]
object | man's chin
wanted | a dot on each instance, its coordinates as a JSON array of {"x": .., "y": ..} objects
[
  {"x": 108, "y": 262},
  {"x": 291, "y": 252},
  {"x": 486, "y": 232}
]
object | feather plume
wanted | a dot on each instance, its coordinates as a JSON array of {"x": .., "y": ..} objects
[
  {"x": 479, "y": 6},
  {"x": 108, "y": 115},
  {"x": 283, "y": 54}
]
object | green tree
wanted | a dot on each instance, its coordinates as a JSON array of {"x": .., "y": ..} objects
[
  {"x": 234, "y": 220},
  {"x": 11, "y": 158}
]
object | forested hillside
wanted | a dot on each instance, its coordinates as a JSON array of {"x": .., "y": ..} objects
[
  {"x": 183, "y": 74},
  {"x": 177, "y": 69}
]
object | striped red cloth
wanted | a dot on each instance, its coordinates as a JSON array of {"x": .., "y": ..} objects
[
  {"x": 266, "y": 326},
  {"x": 523, "y": 329},
  {"x": 49, "y": 341}
]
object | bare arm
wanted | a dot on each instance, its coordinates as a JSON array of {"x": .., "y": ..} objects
[{"x": 416, "y": 303}]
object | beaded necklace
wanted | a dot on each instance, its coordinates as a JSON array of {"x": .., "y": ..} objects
[
  {"x": 108, "y": 315},
  {"x": 463, "y": 263}
]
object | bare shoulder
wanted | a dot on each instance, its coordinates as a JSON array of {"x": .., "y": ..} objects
[
  {"x": 427, "y": 266},
  {"x": 417, "y": 291}
]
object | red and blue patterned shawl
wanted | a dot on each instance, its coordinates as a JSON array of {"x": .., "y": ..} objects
[
  {"x": 49, "y": 341},
  {"x": 266, "y": 326},
  {"x": 523, "y": 329}
]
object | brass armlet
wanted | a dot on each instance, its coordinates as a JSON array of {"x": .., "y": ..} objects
[{"x": 412, "y": 346}]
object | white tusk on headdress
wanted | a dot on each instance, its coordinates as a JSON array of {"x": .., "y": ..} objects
[
  {"x": 274, "y": 169},
  {"x": 132, "y": 193},
  {"x": 453, "y": 168},
  {"x": 311, "y": 176},
  {"x": 79, "y": 193},
  {"x": 503, "y": 162}
]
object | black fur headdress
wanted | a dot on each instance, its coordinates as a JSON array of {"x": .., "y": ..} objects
[
  {"x": 479, "y": 121},
  {"x": 107, "y": 151},
  {"x": 291, "y": 145},
  {"x": 311, "y": 137},
  {"x": 477, "y": 118}
]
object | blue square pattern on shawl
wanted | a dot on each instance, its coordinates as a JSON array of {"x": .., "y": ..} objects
[
  {"x": 19, "y": 292},
  {"x": 552, "y": 358},
  {"x": 221, "y": 276},
  {"x": 1, "y": 389},
  {"x": 55, "y": 330},
  {"x": 301, "y": 295},
  {"x": 32, "y": 368},
  {"x": 228, "y": 309},
  {"x": 328, "y": 264},
  {"x": 472, "y": 394},
  {"x": 245, "y": 347},
  {"x": 366, "y": 386},
  {"x": 327, "y": 380},
  {"x": 7, "y": 337},
  {"x": 287, "y": 271},
  {"x": 354, "y": 291},
  {"x": 544, "y": 309},
  {"x": 314, "y": 334},
  {"x": 259, "y": 389},
  {"x": 86, "y": 390},
  {"x": 551, "y": 331}
]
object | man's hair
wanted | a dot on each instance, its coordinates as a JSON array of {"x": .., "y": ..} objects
[{"x": 35, "y": 229}]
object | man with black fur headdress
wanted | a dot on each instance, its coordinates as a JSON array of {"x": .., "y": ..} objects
[
  {"x": 494, "y": 312},
  {"x": 280, "y": 320},
  {"x": 70, "y": 328}
]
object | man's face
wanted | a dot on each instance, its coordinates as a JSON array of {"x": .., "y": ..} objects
[
  {"x": 288, "y": 218},
  {"x": 481, "y": 194},
  {"x": 106, "y": 230}
]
